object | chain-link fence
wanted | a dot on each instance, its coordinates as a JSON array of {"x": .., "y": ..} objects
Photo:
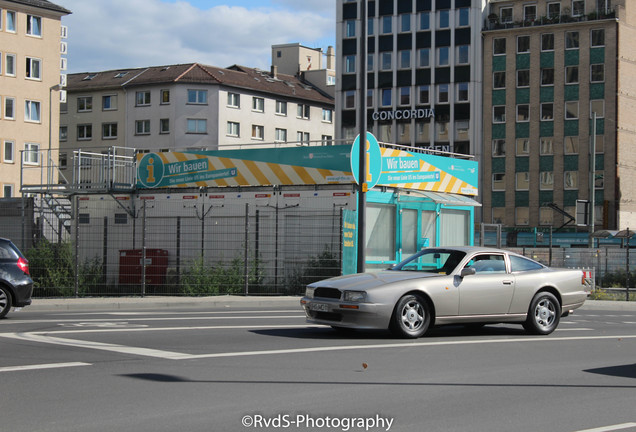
[{"x": 202, "y": 250}]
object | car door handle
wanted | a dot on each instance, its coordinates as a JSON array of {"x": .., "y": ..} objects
[{"x": 507, "y": 282}]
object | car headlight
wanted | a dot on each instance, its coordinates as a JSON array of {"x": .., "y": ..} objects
[
  {"x": 309, "y": 292},
  {"x": 355, "y": 296}
]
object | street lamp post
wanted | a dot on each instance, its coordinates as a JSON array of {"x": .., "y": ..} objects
[
  {"x": 592, "y": 180},
  {"x": 362, "y": 120}
]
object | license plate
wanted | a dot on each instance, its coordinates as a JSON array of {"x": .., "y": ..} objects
[{"x": 320, "y": 307}]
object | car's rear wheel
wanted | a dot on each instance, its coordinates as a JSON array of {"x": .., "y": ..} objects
[
  {"x": 543, "y": 315},
  {"x": 5, "y": 301},
  {"x": 411, "y": 317}
]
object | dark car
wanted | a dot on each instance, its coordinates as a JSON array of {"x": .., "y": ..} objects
[{"x": 16, "y": 286}]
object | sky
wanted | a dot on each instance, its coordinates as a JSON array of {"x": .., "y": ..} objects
[{"x": 117, "y": 34}]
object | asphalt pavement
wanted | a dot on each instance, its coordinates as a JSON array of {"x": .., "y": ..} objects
[{"x": 225, "y": 301}]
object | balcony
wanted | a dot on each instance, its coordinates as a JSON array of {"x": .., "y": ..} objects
[{"x": 493, "y": 22}]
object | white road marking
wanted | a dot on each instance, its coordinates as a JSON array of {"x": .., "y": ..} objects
[
  {"x": 610, "y": 428},
  {"x": 157, "y": 319},
  {"x": 169, "y": 355},
  {"x": 140, "y": 313},
  {"x": 573, "y": 329},
  {"x": 146, "y": 329},
  {"x": 41, "y": 366}
]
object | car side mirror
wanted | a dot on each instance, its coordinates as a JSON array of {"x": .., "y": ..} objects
[{"x": 467, "y": 271}]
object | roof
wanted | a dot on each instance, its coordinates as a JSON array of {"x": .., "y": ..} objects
[
  {"x": 42, "y": 4},
  {"x": 234, "y": 76}
]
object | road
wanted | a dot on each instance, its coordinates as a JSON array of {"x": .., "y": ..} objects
[{"x": 264, "y": 369}]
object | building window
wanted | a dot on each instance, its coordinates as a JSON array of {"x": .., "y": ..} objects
[
  {"x": 386, "y": 61},
  {"x": 498, "y": 147},
  {"x": 499, "y": 80},
  {"x": 84, "y": 104},
  {"x": 462, "y": 130},
  {"x": 523, "y": 146},
  {"x": 258, "y": 104},
  {"x": 302, "y": 111},
  {"x": 9, "y": 65},
  {"x": 84, "y": 132},
  {"x": 547, "y": 42},
  {"x": 142, "y": 127},
  {"x": 109, "y": 102},
  {"x": 109, "y": 131},
  {"x": 572, "y": 110},
  {"x": 546, "y": 216},
  {"x": 546, "y": 180},
  {"x": 571, "y": 180},
  {"x": 547, "y": 76},
  {"x": 571, "y": 74},
  {"x": 31, "y": 154},
  {"x": 598, "y": 37},
  {"x": 599, "y": 179},
  {"x": 8, "y": 152},
  {"x": 597, "y": 72},
  {"x": 349, "y": 99},
  {"x": 522, "y": 181},
  {"x": 505, "y": 14},
  {"x": 499, "y": 46},
  {"x": 498, "y": 181},
  {"x": 350, "y": 28},
  {"x": 34, "y": 26},
  {"x": 370, "y": 62},
  {"x": 405, "y": 23},
  {"x": 578, "y": 8},
  {"x": 302, "y": 137},
  {"x": 546, "y": 146},
  {"x": 32, "y": 111},
  {"x": 404, "y": 96},
  {"x": 233, "y": 129},
  {"x": 443, "y": 58},
  {"x": 572, "y": 40},
  {"x": 424, "y": 20},
  {"x": 424, "y": 94},
  {"x": 142, "y": 98},
  {"x": 370, "y": 98},
  {"x": 280, "y": 135},
  {"x": 164, "y": 126},
  {"x": 571, "y": 145},
  {"x": 523, "y": 44},
  {"x": 63, "y": 133},
  {"x": 554, "y": 10},
  {"x": 523, "y": 113},
  {"x": 463, "y": 17},
  {"x": 424, "y": 57},
  {"x": 11, "y": 21},
  {"x": 370, "y": 27},
  {"x": 499, "y": 114},
  {"x": 498, "y": 215},
  {"x": 547, "y": 111},
  {"x": 463, "y": 54},
  {"x": 281, "y": 108},
  {"x": 387, "y": 24},
  {"x": 9, "y": 108},
  {"x": 443, "y": 19},
  {"x": 461, "y": 92},
  {"x": 165, "y": 97},
  {"x": 327, "y": 115},
  {"x": 529, "y": 13},
  {"x": 197, "y": 97},
  {"x": 258, "y": 132},
  {"x": 234, "y": 100},
  {"x": 387, "y": 97},
  {"x": 326, "y": 140},
  {"x": 404, "y": 59},
  {"x": 350, "y": 64},
  {"x": 523, "y": 78},
  {"x": 197, "y": 126},
  {"x": 597, "y": 106},
  {"x": 443, "y": 93},
  {"x": 33, "y": 68},
  {"x": 442, "y": 129}
]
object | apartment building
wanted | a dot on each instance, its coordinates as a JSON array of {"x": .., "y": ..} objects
[
  {"x": 311, "y": 64},
  {"x": 423, "y": 64},
  {"x": 192, "y": 107},
  {"x": 31, "y": 58},
  {"x": 550, "y": 67}
]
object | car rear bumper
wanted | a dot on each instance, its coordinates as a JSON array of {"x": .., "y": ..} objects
[
  {"x": 343, "y": 314},
  {"x": 23, "y": 293}
]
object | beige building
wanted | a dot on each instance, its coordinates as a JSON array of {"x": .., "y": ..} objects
[
  {"x": 31, "y": 57},
  {"x": 549, "y": 67},
  {"x": 312, "y": 64}
]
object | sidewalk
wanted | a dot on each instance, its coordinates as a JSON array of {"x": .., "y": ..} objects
[{"x": 226, "y": 301}]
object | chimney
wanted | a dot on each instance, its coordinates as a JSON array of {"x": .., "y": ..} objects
[
  {"x": 331, "y": 57},
  {"x": 274, "y": 72}
]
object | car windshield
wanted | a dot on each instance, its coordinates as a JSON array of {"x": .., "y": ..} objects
[{"x": 441, "y": 261}]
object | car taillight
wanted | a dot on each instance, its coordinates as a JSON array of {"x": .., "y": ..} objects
[{"x": 24, "y": 265}]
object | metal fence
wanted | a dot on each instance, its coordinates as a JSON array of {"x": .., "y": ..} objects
[{"x": 249, "y": 249}]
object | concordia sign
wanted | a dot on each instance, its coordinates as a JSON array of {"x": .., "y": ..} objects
[{"x": 403, "y": 114}]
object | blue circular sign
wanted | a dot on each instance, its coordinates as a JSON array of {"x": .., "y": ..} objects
[
  {"x": 373, "y": 162},
  {"x": 150, "y": 170}
]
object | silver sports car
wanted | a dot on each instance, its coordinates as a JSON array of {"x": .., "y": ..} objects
[{"x": 449, "y": 285}]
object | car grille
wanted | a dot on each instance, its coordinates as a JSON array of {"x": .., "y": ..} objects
[
  {"x": 331, "y": 293},
  {"x": 326, "y": 316}
]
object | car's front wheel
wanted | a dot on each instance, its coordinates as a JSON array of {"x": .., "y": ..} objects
[
  {"x": 411, "y": 317},
  {"x": 543, "y": 315},
  {"x": 5, "y": 301}
]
